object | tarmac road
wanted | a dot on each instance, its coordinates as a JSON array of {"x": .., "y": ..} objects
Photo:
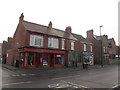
[{"x": 95, "y": 77}]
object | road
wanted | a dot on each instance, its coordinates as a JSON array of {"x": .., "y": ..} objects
[{"x": 106, "y": 77}]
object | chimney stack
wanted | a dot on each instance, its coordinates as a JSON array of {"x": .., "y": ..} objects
[
  {"x": 90, "y": 33},
  {"x": 50, "y": 25},
  {"x": 68, "y": 29},
  {"x": 21, "y": 17},
  {"x": 106, "y": 36}
]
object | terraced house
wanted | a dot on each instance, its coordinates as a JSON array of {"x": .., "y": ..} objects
[{"x": 36, "y": 45}]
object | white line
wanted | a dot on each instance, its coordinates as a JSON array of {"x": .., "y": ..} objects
[
  {"x": 15, "y": 75},
  {"x": 65, "y": 77},
  {"x": 17, "y": 83},
  {"x": 74, "y": 84}
]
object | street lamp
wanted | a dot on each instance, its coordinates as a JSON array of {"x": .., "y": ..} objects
[{"x": 101, "y": 47}]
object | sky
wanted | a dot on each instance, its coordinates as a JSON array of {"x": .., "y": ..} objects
[{"x": 81, "y": 15}]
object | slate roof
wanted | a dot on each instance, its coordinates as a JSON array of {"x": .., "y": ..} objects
[
  {"x": 80, "y": 38},
  {"x": 33, "y": 27}
]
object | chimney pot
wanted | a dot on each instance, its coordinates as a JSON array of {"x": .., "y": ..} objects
[
  {"x": 50, "y": 25},
  {"x": 21, "y": 17},
  {"x": 68, "y": 29}
]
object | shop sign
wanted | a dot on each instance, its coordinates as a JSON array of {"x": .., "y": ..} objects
[
  {"x": 88, "y": 53},
  {"x": 58, "y": 55}
]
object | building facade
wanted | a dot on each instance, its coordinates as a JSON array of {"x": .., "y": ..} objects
[
  {"x": 108, "y": 47},
  {"x": 6, "y": 47},
  {"x": 36, "y": 45}
]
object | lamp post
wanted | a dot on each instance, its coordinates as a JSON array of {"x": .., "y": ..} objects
[{"x": 101, "y": 48}]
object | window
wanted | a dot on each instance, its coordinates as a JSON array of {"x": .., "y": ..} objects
[
  {"x": 85, "y": 47},
  {"x": 31, "y": 59},
  {"x": 25, "y": 58},
  {"x": 59, "y": 59},
  {"x": 104, "y": 49},
  {"x": 36, "y": 40},
  {"x": 21, "y": 58},
  {"x": 45, "y": 59},
  {"x": 72, "y": 45},
  {"x": 63, "y": 43},
  {"x": 91, "y": 48},
  {"x": 53, "y": 42}
]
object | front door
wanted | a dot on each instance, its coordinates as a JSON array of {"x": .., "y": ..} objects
[{"x": 51, "y": 59}]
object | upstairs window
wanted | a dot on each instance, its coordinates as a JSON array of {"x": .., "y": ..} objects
[
  {"x": 91, "y": 48},
  {"x": 85, "y": 47},
  {"x": 72, "y": 45},
  {"x": 36, "y": 40},
  {"x": 53, "y": 42},
  {"x": 63, "y": 43}
]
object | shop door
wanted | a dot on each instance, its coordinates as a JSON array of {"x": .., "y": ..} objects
[
  {"x": 38, "y": 59},
  {"x": 51, "y": 60}
]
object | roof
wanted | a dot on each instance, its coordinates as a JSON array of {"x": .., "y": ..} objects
[
  {"x": 98, "y": 37},
  {"x": 110, "y": 41},
  {"x": 45, "y": 30},
  {"x": 80, "y": 38},
  {"x": 33, "y": 27}
]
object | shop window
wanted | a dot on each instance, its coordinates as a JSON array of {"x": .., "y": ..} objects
[
  {"x": 31, "y": 60},
  {"x": 40, "y": 59},
  {"x": 53, "y": 42},
  {"x": 45, "y": 59},
  {"x": 36, "y": 40},
  {"x": 25, "y": 59},
  {"x": 72, "y": 45},
  {"x": 21, "y": 58},
  {"x": 59, "y": 59}
]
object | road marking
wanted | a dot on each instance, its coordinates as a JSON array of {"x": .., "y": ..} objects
[
  {"x": 65, "y": 84},
  {"x": 23, "y": 74},
  {"x": 17, "y": 83},
  {"x": 74, "y": 84},
  {"x": 15, "y": 75},
  {"x": 64, "y": 77},
  {"x": 31, "y": 74},
  {"x": 116, "y": 86}
]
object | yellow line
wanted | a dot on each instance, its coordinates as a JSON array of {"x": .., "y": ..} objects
[{"x": 116, "y": 86}]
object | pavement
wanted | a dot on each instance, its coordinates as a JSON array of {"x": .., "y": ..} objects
[{"x": 50, "y": 69}]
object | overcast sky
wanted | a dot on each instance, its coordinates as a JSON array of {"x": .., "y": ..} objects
[{"x": 81, "y": 15}]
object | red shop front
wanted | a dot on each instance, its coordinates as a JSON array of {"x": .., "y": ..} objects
[{"x": 33, "y": 57}]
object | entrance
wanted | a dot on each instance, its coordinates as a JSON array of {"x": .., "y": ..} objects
[{"x": 51, "y": 60}]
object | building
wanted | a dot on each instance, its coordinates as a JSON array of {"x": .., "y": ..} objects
[
  {"x": 6, "y": 47},
  {"x": 112, "y": 49},
  {"x": 0, "y": 52},
  {"x": 97, "y": 46},
  {"x": 118, "y": 51},
  {"x": 36, "y": 45},
  {"x": 108, "y": 47}
]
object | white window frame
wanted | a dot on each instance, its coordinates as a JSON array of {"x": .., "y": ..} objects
[
  {"x": 85, "y": 47},
  {"x": 91, "y": 48},
  {"x": 63, "y": 43},
  {"x": 104, "y": 49},
  {"x": 32, "y": 40},
  {"x": 72, "y": 45},
  {"x": 53, "y": 42}
]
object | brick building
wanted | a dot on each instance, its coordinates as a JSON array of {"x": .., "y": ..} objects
[
  {"x": 6, "y": 47},
  {"x": 108, "y": 47},
  {"x": 112, "y": 49},
  {"x": 38, "y": 45},
  {"x": 0, "y": 52}
]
